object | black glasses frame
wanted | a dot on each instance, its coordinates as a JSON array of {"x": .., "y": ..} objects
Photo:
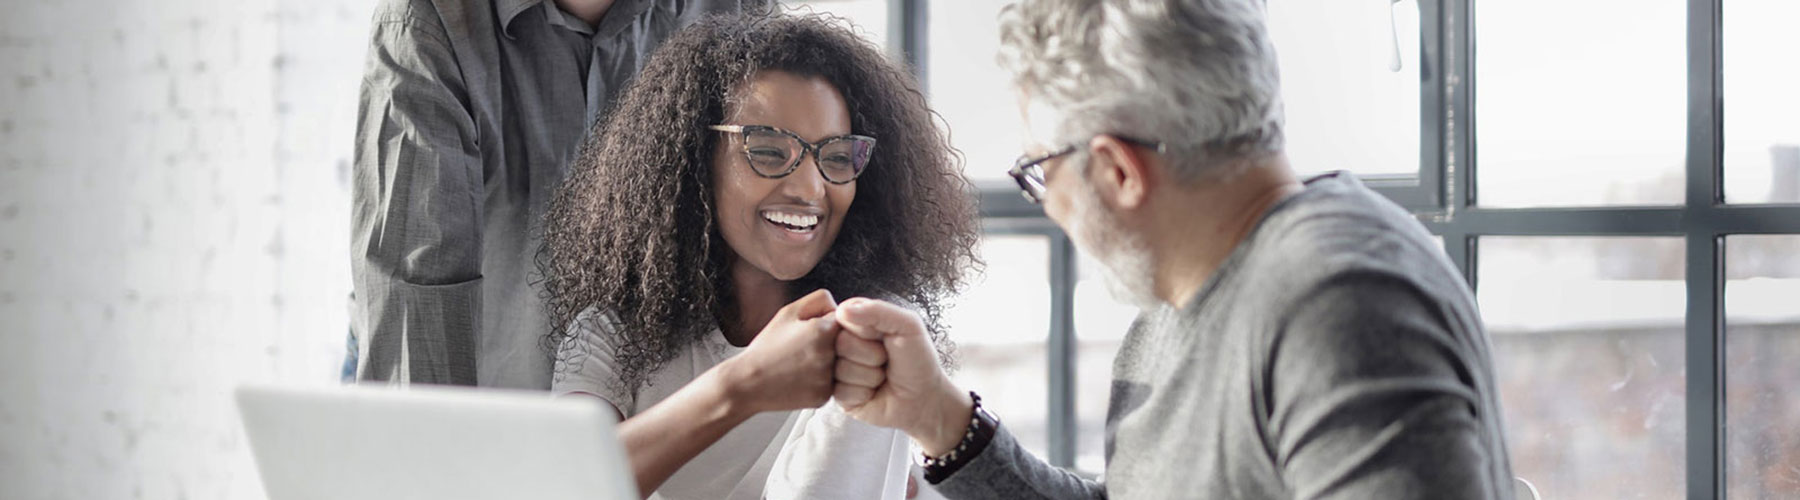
[
  {"x": 1028, "y": 171},
  {"x": 806, "y": 148}
]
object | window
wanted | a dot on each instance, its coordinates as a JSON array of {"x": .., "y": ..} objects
[
  {"x": 1000, "y": 326},
  {"x": 1762, "y": 340},
  {"x": 1600, "y": 203},
  {"x": 1373, "y": 90},
  {"x": 1587, "y": 337},
  {"x": 1567, "y": 114},
  {"x": 970, "y": 89},
  {"x": 1623, "y": 193},
  {"x": 1349, "y": 84},
  {"x": 1762, "y": 136}
]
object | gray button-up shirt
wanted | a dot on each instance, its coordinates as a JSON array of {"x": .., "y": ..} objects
[{"x": 469, "y": 111}]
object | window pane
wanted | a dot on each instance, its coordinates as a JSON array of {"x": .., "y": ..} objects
[
  {"x": 1762, "y": 340},
  {"x": 1001, "y": 326},
  {"x": 1762, "y": 136},
  {"x": 1588, "y": 344},
  {"x": 1581, "y": 103},
  {"x": 867, "y": 18},
  {"x": 969, "y": 89},
  {"x": 1100, "y": 325},
  {"x": 1346, "y": 109}
]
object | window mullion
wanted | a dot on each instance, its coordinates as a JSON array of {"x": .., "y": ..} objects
[
  {"x": 1705, "y": 287},
  {"x": 1062, "y": 351}
]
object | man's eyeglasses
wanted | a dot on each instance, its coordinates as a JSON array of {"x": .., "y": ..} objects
[
  {"x": 774, "y": 153},
  {"x": 1028, "y": 171}
]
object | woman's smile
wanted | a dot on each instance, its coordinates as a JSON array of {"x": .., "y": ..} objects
[{"x": 793, "y": 225}]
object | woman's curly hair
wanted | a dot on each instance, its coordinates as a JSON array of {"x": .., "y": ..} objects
[{"x": 632, "y": 231}]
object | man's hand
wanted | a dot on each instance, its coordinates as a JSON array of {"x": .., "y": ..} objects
[{"x": 910, "y": 392}]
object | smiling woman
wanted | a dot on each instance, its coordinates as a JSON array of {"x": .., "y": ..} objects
[
  {"x": 637, "y": 228},
  {"x": 705, "y": 228},
  {"x": 775, "y": 216}
]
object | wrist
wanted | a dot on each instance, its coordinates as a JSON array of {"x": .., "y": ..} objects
[
  {"x": 946, "y": 423},
  {"x": 723, "y": 386}
]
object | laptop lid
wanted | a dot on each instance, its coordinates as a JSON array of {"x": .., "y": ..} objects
[{"x": 440, "y": 443}]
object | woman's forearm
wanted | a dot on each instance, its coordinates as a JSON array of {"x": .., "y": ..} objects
[{"x": 669, "y": 434}]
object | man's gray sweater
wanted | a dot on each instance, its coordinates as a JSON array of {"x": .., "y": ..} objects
[{"x": 1335, "y": 354}]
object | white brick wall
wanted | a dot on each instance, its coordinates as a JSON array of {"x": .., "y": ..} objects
[{"x": 173, "y": 222}]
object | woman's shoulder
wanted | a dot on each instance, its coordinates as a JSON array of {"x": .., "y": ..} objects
[
  {"x": 598, "y": 332},
  {"x": 592, "y": 334},
  {"x": 596, "y": 320}
]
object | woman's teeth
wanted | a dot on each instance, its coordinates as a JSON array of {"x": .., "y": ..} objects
[{"x": 797, "y": 222}]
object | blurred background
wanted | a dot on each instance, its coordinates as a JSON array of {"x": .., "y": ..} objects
[{"x": 174, "y": 212}]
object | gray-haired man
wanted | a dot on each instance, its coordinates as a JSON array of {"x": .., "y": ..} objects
[{"x": 1299, "y": 340}]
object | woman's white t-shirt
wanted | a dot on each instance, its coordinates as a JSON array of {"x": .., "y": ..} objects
[{"x": 818, "y": 453}]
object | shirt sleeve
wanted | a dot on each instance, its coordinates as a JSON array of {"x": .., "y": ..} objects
[
  {"x": 416, "y": 210},
  {"x": 586, "y": 362},
  {"x": 1006, "y": 470},
  {"x": 830, "y": 455},
  {"x": 1370, "y": 397}
]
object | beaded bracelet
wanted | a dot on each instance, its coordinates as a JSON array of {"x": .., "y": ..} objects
[{"x": 982, "y": 426}]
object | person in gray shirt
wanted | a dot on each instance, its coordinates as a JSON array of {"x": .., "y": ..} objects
[
  {"x": 1298, "y": 340},
  {"x": 469, "y": 112}
]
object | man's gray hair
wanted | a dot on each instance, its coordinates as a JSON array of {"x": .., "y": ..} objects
[{"x": 1199, "y": 76}]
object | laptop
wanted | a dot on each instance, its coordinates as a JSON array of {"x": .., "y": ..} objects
[{"x": 439, "y": 443}]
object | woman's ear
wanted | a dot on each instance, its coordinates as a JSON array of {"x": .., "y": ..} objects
[{"x": 1122, "y": 173}]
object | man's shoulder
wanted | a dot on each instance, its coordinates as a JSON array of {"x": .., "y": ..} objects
[
  {"x": 1332, "y": 215},
  {"x": 1333, "y": 219},
  {"x": 446, "y": 15},
  {"x": 1340, "y": 233},
  {"x": 405, "y": 11}
]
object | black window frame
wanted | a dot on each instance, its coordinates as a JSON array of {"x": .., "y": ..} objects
[{"x": 1442, "y": 194}]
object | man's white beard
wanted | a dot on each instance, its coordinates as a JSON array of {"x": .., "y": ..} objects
[{"x": 1124, "y": 258}]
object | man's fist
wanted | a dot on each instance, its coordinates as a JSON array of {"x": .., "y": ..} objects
[{"x": 910, "y": 392}]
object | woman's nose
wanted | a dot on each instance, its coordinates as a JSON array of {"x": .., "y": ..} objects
[{"x": 806, "y": 182}]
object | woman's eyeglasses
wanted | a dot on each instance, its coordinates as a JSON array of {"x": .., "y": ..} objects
[
  {"x": 1028, "y": 171},
  {"x": 774, "y": 153}
]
